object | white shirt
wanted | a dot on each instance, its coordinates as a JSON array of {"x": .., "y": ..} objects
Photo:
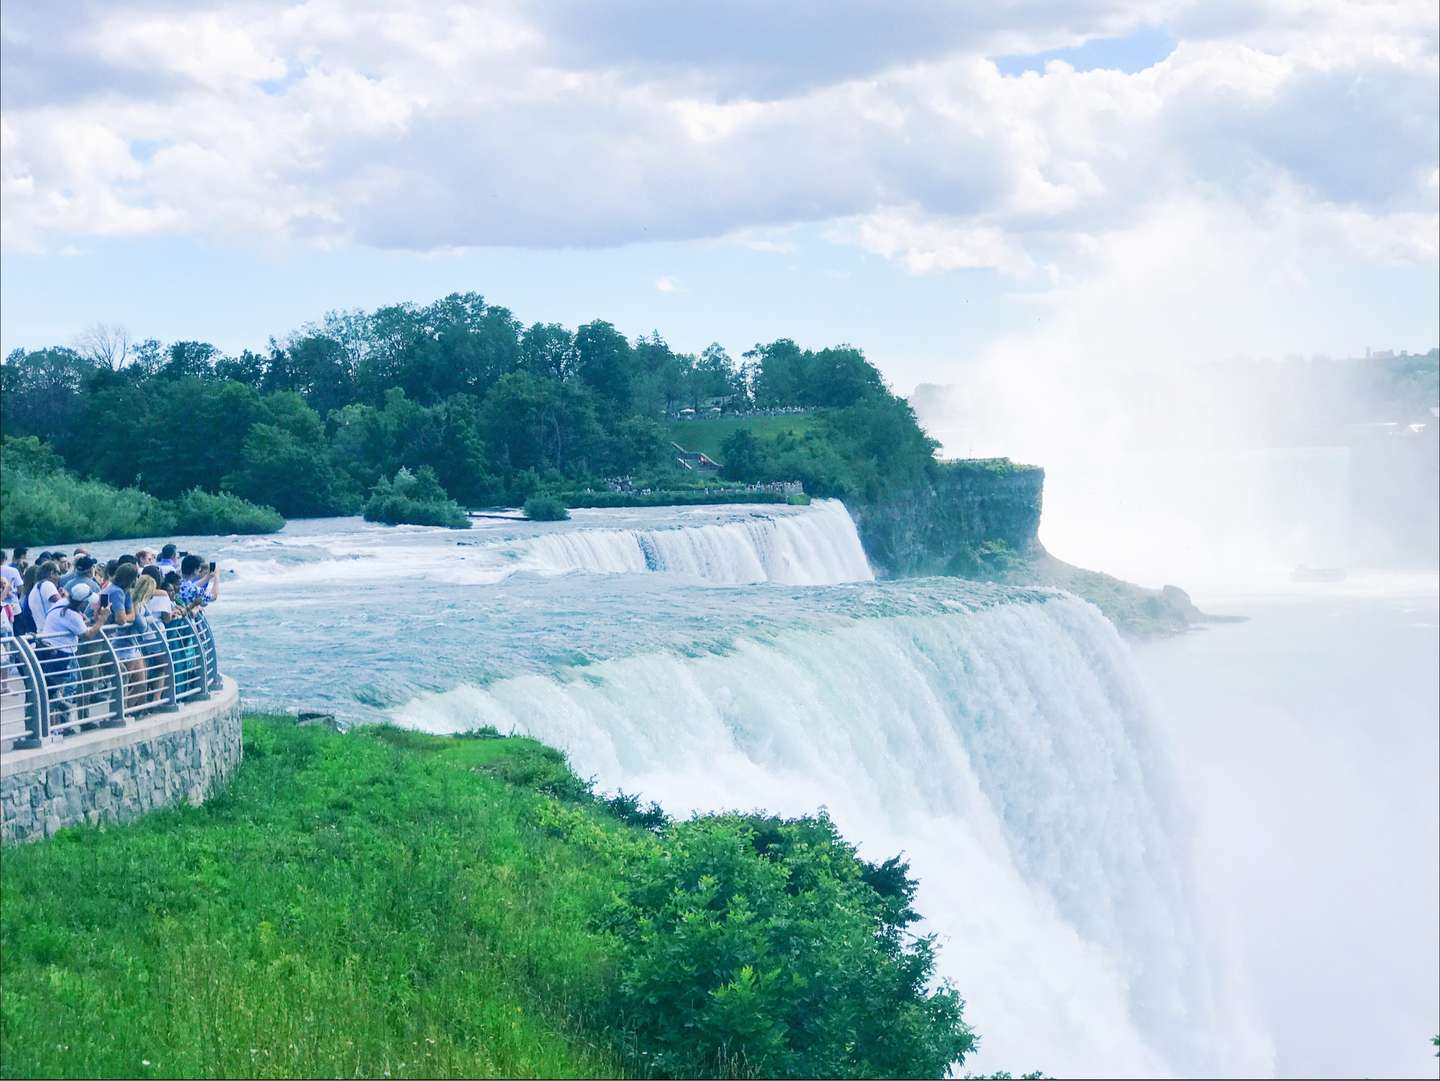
[
  {"x": 67, "y": 625},
  {"x": 14, "y": 577},
  {"x": 41, "y": 600},
  {"x": 160, "y": 605}
]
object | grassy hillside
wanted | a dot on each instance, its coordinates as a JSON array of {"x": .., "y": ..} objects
[
  {"x": 707, "y": 435},
  {"x": 385, "y": 903}
]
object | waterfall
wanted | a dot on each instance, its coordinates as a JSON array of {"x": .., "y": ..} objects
[
  {"x": 1008, "y": 751},
  {"x": 817, "y": 546}
]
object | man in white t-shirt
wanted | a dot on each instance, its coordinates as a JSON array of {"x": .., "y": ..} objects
[
  {"x": 44, "y": 596},
  {"x": 60, "y": 640}
]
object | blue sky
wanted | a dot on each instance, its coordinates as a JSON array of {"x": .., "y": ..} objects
[{"x": 937, "y": 185}]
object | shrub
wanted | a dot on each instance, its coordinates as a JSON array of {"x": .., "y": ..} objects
[
  {"x": 766, "y": 948},
  {"x": 198, "y": 511},
  {"x": 57, "y": 508},
  {"x": 414, "y": 499},
  {"x": 674, "y": 497},
  {"x": 545, "y": 508}
]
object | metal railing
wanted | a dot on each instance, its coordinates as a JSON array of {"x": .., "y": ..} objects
[{"x": 48, "y": 692}]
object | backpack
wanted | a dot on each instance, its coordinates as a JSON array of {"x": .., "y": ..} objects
[{"x": 24, "y": 622}]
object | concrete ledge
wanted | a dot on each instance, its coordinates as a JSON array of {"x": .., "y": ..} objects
[{"x": 117, "y": 774}]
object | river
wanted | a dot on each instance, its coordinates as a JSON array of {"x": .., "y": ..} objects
[{"x": 1211, "y": 855}]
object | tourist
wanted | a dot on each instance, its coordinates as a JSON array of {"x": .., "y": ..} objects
[
  {"x": 167, "y": 561},
  {"x": 145, "y": 558},
  {"x": 199, "y": 586},
  {"x": 122, "y": 614},
  {"x": 11, "y": 573},
  {"x": 44, "y": 594},
  {"x": 20, "y": 558},
  {"x": 59, "y": 643},
  {"x": 84, "y": 571},
  {"x": 149, "y": 636},
  {"x": 7, "y": 608}
]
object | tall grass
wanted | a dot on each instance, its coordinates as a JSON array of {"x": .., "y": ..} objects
[
  {"x": 348, "y": 908},
  {"x": 387, "y": 903}
]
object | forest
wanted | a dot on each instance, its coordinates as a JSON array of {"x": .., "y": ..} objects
[{"x": 457, "y": 393}]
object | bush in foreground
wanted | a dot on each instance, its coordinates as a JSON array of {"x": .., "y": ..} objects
[
  {"x": 545, "y": 508},
  {"x": 414, "y": 499},
  {"x": 758, "y": 947},
  {"x": 390, "y": 902}
]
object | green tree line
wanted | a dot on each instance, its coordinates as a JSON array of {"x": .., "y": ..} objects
[{"x": 493, "y": 410}]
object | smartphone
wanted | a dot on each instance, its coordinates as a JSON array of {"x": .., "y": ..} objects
[
  {"x": 212, "y": 566},
  {"x": 104, "y": 601}
]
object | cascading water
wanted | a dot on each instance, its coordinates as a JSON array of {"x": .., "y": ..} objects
[
  {"x": 997, "y": 736},
  {"x": 812, "y": 545},
  {"x": 816, "y": 548},
  {"x": 1008, "y": 752}
]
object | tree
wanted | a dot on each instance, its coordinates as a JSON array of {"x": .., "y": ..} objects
[
  {"x": 548, "y": 350},
  {"x": 40, "y": 394},
  {"x": 195, "y": 434},
  {"x": 315, "y": 366},
  {"x": 534, "y": 423},
  {"x": 604, "y": 366},
  {"x": 248, "y": 368},
  {"x": 286, "y": 471},
  {"x": 839, "y": 377},
  {"x": 781, "y": 373},
  {"x": 189, "y": 360},
  {"x": 742, "y": 457},
  {"x": 104, "y": 345}
]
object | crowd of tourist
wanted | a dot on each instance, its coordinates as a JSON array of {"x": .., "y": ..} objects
[{"x": 65, "y": 602}]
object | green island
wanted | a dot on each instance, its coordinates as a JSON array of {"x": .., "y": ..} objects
[{"x": 388, "y": 903}]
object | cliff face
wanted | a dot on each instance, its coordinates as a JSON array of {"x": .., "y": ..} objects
[
  {"x": 981, "y": 519},
  {"x": 973, "y": 519}
]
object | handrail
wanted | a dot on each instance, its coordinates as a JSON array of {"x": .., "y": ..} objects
[{"x": 48, "y": 691}]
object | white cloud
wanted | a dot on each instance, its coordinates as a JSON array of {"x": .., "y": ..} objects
[
  {"x": 666, "y": 284},
  {"x": 928, "y": 245},
  {"x": 434, "y": 127}
]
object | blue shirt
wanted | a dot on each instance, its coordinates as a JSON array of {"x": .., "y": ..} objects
[
  {"x": 194, "y": 591},
  {"x": 119, "y": 606}
]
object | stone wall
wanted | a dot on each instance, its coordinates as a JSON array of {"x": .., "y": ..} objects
[{"x": 117, "y": 774}]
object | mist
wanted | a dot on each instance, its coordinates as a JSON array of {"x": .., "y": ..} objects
[
  {"x": 1191, "y": 391},
  {"x": 1206, "y": 418}
]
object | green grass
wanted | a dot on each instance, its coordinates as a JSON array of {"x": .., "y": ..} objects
[
  {"x": 390, "y": 904},
  {"x": 381, "y": 903},
  {"x": 707, "y": 435}
]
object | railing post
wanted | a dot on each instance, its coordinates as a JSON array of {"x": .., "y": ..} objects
[
  {"x": 210, "y": 653},
  {"x": 203, "y": 692},
  {"x": 119, "y": 718},
  {"x": 37, "y": 709},
  {"x": 162, "y": 632}
]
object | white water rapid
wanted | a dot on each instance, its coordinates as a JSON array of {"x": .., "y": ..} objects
[
  {"x": 743, "y": 657},
  {"x": 738, "y": 545},
  {"x": 1007, "y": 751},
  {"x": 816, "y": 548}
]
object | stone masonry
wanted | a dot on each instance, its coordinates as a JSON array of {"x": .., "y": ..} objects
[{"x": 115, "y": 775}]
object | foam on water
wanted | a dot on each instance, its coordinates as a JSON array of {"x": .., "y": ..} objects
[
  {"x": 743, "y": 657},
  {"x": 814, "y": 545},
  {"x": 1009, "y": 751}
]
